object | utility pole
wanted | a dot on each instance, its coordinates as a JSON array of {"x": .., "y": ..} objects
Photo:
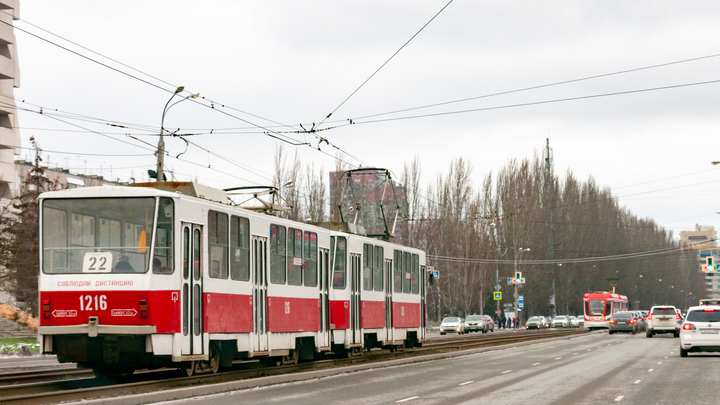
[{"x": 548, "y": 191}]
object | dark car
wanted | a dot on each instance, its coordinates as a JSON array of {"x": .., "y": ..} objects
[{"x": 623, "y": 322}]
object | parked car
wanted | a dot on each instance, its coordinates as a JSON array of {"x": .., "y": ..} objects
[
  {"x": 560, "y": 321},
  {"x": 489, "y": 322},
  {"x": 534, "y": 323},
  {"x": 623, "y": 322},
  {"x": 573, "y": 322},
  {"x": 475, "y": 323},
  {"x": 452, "y": 324}
]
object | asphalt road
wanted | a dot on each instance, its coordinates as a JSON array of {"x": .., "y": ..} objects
[{"x": 594, "y": 369}]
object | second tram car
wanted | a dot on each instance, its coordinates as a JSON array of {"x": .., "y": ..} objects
[
  {"x": 145, "y": 277},
  {"x": 599, "y": 306}
]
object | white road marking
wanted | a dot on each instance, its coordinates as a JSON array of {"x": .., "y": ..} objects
[
  {"x": 659, "y": 362},
  {"x": 618, "y": 399},
  {"x": 636, "y": 382},
  {"x": 650, "y": 370},
  {"x": 535, "y": 364},
  {"x": 406, "y": 399},
  {"x": 466, "y": 383},
  {"x": 558, "y": 358},
  {"x": 666, "y": 357},
  {"x": 506, "y": 371},
  {"x": 589, "y": 350},
  {"x": 574, "y": 354}
]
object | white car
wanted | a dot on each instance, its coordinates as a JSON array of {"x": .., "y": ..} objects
[
  {"x": 560, "y": 321},
  {"x": 662, "y": 319},
  {"x": 573, "y": 322},
  {"x": 452, "y": 324},
  {"x": 701, "y": 330}
]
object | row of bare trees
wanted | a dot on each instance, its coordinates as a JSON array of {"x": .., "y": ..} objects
[{"x": 473, "y": 232}]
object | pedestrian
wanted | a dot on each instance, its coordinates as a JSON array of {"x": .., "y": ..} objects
[
  {"x": 502, "y": 321},
  {"x": 515, "y": 322}
]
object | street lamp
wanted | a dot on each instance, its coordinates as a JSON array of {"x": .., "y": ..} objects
[
  {"x": 637, "y": 301},
  {"x": 161, "y": 142}
]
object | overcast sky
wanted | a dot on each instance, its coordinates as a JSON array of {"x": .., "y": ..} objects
[{"x": 292, "y": 62}]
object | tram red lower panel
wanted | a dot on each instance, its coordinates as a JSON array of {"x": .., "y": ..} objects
[
  {"x": 406, "y": 315},
  {"x": 340, "y": 314},
  {"x": 228, "y": 313},
  {"x": 286, "y": 314},
  {"x": 373, "y": 314},
  {"x": 112, "y": 308}
]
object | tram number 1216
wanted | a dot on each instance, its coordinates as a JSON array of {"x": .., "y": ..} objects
[{"x": 86, "y": 303}]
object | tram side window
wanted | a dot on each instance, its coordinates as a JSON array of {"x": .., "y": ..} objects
[
  {"x": 277, "y": 254},
  {"x": 608, "y": 307},
  {"x": 407, "y": 265},
  {"x": 398, "y": 272},
  {"x": 339, "y": 246},
  {"x": 415, "y": 274},
  {"x": 378, "y": 268},
  {"x": 240, "y": 248},
  {"x": 55, "y": 229},
  {"x": 294, "y": 260},
  {"x": 162, "y": 262},
  {"x": 368, "y": 264},
  {"x": 310, "y": 259},
  {"x": 218, "y": 244}
]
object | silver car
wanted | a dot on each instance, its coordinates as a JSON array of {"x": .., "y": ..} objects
[
  {"x": 560, "y": 321},
  {"x": 452, "y": 324},
  {"x": 475, "y": 323}
]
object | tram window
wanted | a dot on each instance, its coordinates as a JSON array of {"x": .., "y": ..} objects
[
  {"x": 163, "y": 255},
  {"x": 340, "y": 262},
  {"x": 197, "y": 258},
  {"x": 218, "y": 244},
  {"x": 55, "y": 229},
  {"x": 310, "y": 259},
  {"x": 378, "y": 268},
  {"x": 608, "y": 308},
  {"x": 295, "y": 257},
  {"x": 368, "y": 265},
  {"x": 398, "y": 272},
  {"x": 407, "y": 265},
  {"x": 240, "y": 248},
  {"x": 277, "y": 254},
  {"x": 186, "y": 253},
  {"x": 415, "y": 274}
]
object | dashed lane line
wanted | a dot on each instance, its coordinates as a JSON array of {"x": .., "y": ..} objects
[
  {"x": 618, "y": 399},
  {"x": 558, "y": 358},
  {"x": 589, "y": 350},
  {"x": 506, "y": 371},
  {"x": 535, "y": 364},
  {"x": 659, "y": 362},
  {"x": 636, "y": 382},
  {"x": 650, "y": 370},
  {"x": 574, "y": 354},
  {"x": 407, "y": 399},
  {"x": 466, "y": 383}
]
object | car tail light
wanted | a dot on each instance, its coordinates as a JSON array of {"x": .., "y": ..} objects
[
  {"x": 143, "y": 309},
  {"x": 677, "y": 316},
  {"x": 709, "y": 310},
  {"x": 688, "y": 326},
  {"x": 46, "y": 309},
  {"x": 631, "y": 321},
  {"x": 612, "y": 321}
]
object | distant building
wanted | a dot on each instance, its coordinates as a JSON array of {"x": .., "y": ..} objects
[
  {"x": 702, "y": 239},
  {"x": 371, "y": 190},
  {"x": 9, "y": 79}
]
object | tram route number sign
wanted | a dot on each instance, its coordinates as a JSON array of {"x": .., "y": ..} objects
[{"x": 497, "y": 295}]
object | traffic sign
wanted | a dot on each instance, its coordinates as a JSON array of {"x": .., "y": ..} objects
[
  {"x": 511, "y": 281},
  {"x": 521, "y": 302},
  {"x": 497, "y": 295},
  {"x": 435, "y": 274}
]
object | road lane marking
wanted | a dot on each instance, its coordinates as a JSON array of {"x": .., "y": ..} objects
[
  {"x": 589, "y": 350},
  {"x": 618, "y": 399},
  {"x": 650, "y": 370},
  {"x": 406, "y": 399},
  {"x": 506, "y": 371},
  {"x": 574, "y": 354},
  {"x": 466, "y": 383},
  {"x": 535, "y": 364},
  {"x": 558, "y": 358},
  {"x": 636, "y": 382},
  {"x": 666, "y": 357},
  {"x": 659, "y": 362}
]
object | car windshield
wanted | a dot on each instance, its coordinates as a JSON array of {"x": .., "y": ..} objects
[
  {"x": 451, "y": 320},
  {"x": 559, "y": 318},
  {"x": 474, "y": 318},
  {"x": 534, "y": 320},
  {"x": 704, "y": 316},
  {"x": 621, "y": 316},
  {"x": 663, "y": 311}
]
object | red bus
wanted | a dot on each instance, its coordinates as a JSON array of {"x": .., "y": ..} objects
[{"x": 599, "y": 306}]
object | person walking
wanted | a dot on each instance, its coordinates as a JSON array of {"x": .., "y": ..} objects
[{"x": 502, "y": 321}]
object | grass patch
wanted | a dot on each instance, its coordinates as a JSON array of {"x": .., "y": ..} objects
[{"x": 13, "y": 345}]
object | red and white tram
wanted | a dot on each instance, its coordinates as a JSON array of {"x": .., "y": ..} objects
[
  {"x": 153, "y": 276},
  {"x": 599, "y": 307}
]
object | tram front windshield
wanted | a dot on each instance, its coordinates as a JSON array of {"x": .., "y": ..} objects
[
  {"x": 596, "y": 307},
  {"x": 97, "y": 235}
]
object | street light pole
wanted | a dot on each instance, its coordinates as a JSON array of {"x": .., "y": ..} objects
[
  {"x": 516, "y": 296},
  {"x": 161, "y": 142}
]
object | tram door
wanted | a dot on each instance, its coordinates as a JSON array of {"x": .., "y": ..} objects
[
  {"x": 356, "y": 283},
  {"x": 192, "y": 291},
  {"x": 260, "y": 283},
  {"x": 324, "y": 296},
  {"x": 388, "y": 300}
]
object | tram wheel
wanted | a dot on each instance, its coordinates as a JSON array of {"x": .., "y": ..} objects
[
  {"x": 191, "y": 368},
  {"x": 215, "y": 360},
  {"x": 292, "y": 358}
]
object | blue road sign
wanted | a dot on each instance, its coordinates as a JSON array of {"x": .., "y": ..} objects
[
  {"x": 521, "y": 302},
  {"x": 497, "y": 295},
  {"x": 436, "y": 274}
]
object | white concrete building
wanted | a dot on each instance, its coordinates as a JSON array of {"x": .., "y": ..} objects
[{"x": 9, "y": 79}]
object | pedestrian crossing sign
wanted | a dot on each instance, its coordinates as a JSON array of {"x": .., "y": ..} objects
[{"x": 497, "y": 295}]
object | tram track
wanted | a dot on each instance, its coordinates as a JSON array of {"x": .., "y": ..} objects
[{"x": 82, "y": 384}]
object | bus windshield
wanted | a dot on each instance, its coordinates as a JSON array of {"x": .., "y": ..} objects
[
  {"x": 596, "y": 307},
  {"x": 97, "y": 235}
]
